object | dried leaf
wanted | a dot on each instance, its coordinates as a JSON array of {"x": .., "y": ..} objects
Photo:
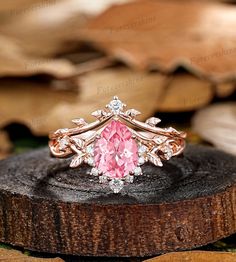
[
  {"x": 93, "y": 65},
  {"x": 76, "y": 161},
  {"x": 201, "y": 40},
  {"x": 195, "y": 256},
  {"x": 97, "y": 88},
  {"x": 7, "y": 255},
  {"x": 36, "y": 34},
  {"x": 20, "y": 5},
  {"x": 32, "y": 34},
  {"x": 18, "y": 63},
  {"x": 225, "y": 89},
  {"x": 38, "y": 29},
  {"x": 148, "y": 93},
  {"x": 180, "y": 92},
  {"x": 91, "y": 8},
  {"x": 217, "y": 124},
  {"x": 95, "y": 7},
  {"x": 41, "y": 107},
  {"x": 185, "y": 92}
]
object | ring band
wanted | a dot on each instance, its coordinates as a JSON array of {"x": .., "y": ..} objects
[{"x": 113, "y": 149}]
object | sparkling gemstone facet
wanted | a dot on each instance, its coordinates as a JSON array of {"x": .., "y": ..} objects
[
  {"x": 63, "y": 143},
  {"x": 142, "y": 149},
  {"x": 116, "y": 185},
  {"x": 89, "y": 149},
  {"x": 94, "y": 171},
  {"x": 116, "y": 152},
  {"x": 141, "y": 160},
  {"x": 89, "y": 161},
  {"x": 115, "y": 106},
  {"x": 137, "y": 171}
]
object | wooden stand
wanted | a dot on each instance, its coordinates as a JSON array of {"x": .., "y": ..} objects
[{"x": 48, "y": 207}]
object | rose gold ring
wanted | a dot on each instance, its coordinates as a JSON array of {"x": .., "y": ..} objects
[{"x": 115, "y": 151}]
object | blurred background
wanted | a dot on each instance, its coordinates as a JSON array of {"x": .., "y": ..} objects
[{"x": 62, "y": 59}]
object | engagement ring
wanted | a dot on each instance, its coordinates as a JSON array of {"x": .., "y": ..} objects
[{"x": 116, "y": 145}]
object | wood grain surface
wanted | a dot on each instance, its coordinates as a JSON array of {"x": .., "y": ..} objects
[{"x": 47, "y": 207}]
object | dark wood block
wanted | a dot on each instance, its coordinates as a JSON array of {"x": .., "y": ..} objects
[{"x": 48, "y": 207}]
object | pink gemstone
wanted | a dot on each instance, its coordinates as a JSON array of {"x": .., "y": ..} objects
[{"x": 116, "y": 152}]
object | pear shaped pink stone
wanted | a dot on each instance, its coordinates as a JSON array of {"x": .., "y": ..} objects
[{"x": 116, "y": 152}]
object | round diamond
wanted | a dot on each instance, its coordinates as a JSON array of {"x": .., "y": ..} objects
[
  {"x": 129, "y": 178},
  {"x": 115, "y": 106},
  {"x": 63, "y": 143},
  {"x": 141, "y": 160},
  {"x": 89, "y": 149},
  {"x": 168, "y": 152},
  {"x": 137, "y": 171},
  {"x": 142, "y": 149},
  {"x": 94, "y": 171},
  {"x": 102, "y": 179},
  {"x": 116, "y": 185}
]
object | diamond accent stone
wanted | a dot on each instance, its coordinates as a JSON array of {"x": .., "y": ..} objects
[
  {"x": 63, "y": 143},
  {"x": 129, "y": 178},
  {"x": 89, "y": 161},
  {"x": 141, "y": 160},
  {"x": 142, "y": 149},
  {"x": 115, "y": 106},
  {"x": 90, "y": 149},
  {"x": 116, "y": 185},
  {"x": 137, "y": 171},
  {"x": 116, "y": 152},
  {"x": 94, "y": 171},
  {"x": 102, "y": 179},
  {"x": 168, "y": 152}
]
